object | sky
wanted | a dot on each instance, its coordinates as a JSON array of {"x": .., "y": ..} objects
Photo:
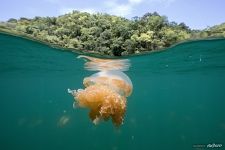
[{"x": 197, "y": 14}]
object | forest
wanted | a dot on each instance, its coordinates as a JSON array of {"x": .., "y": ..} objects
[{"x": 106, "y": 34}]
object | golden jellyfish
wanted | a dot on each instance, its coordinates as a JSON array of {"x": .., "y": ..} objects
[{"x": 106, "y": 91}]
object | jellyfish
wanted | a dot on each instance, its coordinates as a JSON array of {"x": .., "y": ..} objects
[
  {"x": 105, "y": 94},
  {"x": 97, "y": 64}
]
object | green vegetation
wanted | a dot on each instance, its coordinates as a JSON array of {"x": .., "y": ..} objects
[
  {"x": 216, "y": 31},
  {"x": 107, "y": 34}
]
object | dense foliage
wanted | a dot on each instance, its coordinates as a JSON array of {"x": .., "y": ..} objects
[
  {"x": 215, "y": 31},
  {"x": 107, "y": 34}
]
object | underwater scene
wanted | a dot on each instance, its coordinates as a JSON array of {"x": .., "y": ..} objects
[{"x": 55, "y": 99}]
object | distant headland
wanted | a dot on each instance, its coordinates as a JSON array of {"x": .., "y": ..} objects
[{"x": 106, "y": 34}]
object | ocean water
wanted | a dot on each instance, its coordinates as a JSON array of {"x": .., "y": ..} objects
[{"x": 178, "y": 100}]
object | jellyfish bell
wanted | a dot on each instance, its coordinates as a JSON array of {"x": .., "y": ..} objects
[
  {"x": 97, "y": 64},
  {"x": 116, "y": 80}
]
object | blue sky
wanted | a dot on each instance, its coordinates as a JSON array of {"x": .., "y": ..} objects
[{"x": 197, "y": 14}]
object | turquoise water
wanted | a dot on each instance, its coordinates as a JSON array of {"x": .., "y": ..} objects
[{"x": 178, "y": 99}]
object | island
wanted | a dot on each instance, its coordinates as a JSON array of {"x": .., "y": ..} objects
[{"x": 108, "y": 35}]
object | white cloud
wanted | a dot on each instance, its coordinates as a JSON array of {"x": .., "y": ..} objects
[
  {"x": 88, "y": 10},
  {"x": 121, "y": 10},
  {"x": 63, "y": 11},
  {"x": 52, "y": 1},
  {"x": 125, "y": 9},
  {"x": 162, "y": 2},
  {"x": 135, "y": 1},
  {"x": 113, "y": 7},
  {"x": 168, "y": 2}
]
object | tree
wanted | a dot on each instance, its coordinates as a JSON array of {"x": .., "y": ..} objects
[
  {"x": 12, "y": 20},
  {"x": 130, "y": 46},
  {"x": 169, "y": 36},
  {"x": 183, "y": 26},
  {"x": 108, "y": 34}
]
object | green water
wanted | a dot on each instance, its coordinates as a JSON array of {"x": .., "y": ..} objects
[{"x": 178, "y": 99}]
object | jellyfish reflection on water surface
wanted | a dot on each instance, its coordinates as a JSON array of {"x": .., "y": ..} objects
[{"x": 106, "y": 91}]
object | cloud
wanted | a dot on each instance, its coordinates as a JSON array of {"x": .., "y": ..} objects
[
  {"x": 135, "y": 1},
  {"x": 116, "y": 7},
  {"x": 122, "y": 10},
  {"x": 111, "y": 7},
  {"x": 53, "y": 1},
  {"x": 88, "y": 10},
  {"x": 125, "y": 9},
  {"x": 63, "y": 11},
  {"x": 162, "y": 2}
]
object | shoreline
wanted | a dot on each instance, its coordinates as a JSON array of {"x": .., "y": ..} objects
[
  {"x": 96, "y": 54},
  {"x": 28, "y": 37}
]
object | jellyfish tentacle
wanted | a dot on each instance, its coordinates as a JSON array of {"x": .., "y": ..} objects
[{"x": 73, "y": 92}]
